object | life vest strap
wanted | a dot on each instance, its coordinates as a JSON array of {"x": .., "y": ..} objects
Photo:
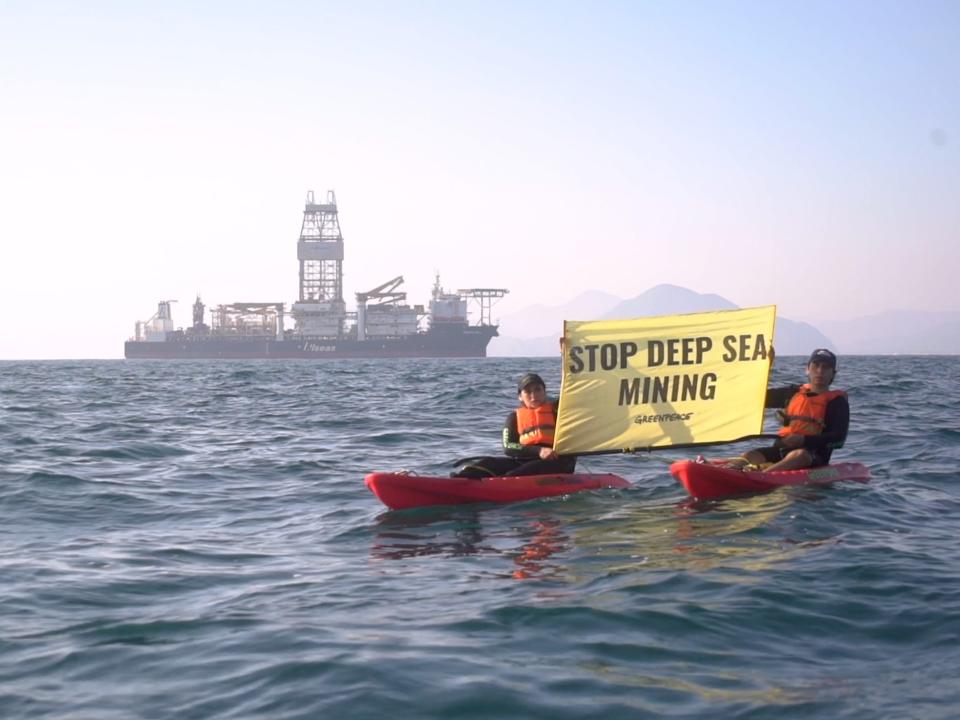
[{"x": 803, "y": 418}]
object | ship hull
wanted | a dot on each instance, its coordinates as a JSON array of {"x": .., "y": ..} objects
[{"x": 463, "y": 342}]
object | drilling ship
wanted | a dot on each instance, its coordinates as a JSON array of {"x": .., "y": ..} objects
[{"x": 382, "y": 326}]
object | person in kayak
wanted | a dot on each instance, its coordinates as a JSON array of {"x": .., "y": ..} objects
[
  {"x": 815, "y": 420},
  {"x": 527, "y": 438}
]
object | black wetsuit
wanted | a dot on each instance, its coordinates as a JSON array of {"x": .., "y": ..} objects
[
  {"x": 519, "y": 460},
  {"x": 820, "y": 447}
]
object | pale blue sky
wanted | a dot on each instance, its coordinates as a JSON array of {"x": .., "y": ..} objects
[{"x": 799, "y": 154}]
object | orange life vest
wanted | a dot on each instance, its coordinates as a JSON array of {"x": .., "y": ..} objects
[
  {"x": 536, "y": 425},
  {"x": 805, "y": 414}
]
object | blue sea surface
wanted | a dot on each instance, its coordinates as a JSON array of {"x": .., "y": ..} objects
[{"x": 194, "y": 540}]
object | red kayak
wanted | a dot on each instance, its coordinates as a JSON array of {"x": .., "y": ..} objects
[
  {"x": 706, "y": 481},
  {"x": 401, "y": 491}
]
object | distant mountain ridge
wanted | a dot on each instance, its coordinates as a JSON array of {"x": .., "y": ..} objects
[
  {"x": 667, "y": 300},
  {"x": 901, "y": 332},
  {"x": 890, "y": 332}
]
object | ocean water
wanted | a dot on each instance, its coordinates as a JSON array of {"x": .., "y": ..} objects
[{"x": 194, "y": 540}]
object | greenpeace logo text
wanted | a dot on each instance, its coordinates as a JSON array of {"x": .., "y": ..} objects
[{"x": 662, "y": 418}]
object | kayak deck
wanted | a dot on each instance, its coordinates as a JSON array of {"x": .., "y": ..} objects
[
  {"x": 399, "y": 491},
  {"x": 706, "y": 481}
]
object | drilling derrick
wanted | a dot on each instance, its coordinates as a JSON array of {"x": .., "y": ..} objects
[{"x": 320, "y": 310}]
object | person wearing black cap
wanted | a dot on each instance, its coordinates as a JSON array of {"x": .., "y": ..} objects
[
  {"x": 815, "y": 420},
  {"x": 527, "y": 437}
]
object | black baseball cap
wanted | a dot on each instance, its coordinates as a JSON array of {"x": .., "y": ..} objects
[
  {"x": 529, "y": 379},
  {"x": 824, "y": 357}
]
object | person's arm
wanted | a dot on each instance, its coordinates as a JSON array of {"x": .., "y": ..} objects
[
  {"x": 511, "y": 440},
  {"x": 779, "y": 397},
  {"x": 547, "y": 452},
  {"x": 836, "y": 425}
]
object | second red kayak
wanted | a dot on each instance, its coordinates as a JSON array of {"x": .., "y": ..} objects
[
  {"x": 401, "y": 491},
  {"x": 706, "y": 481}
]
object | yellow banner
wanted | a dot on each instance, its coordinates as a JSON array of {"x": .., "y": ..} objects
[{"x": 662, "y": 381}]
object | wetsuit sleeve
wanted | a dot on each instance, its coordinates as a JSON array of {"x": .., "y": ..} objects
[
  {"x": 779, "y": 397},
  {"x": 836, "y": 424},
  {"x": 511, "y": 440}
]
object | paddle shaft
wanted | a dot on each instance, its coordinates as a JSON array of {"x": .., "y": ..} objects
[
  {"x": 634, "y": 451},
  {"x": 681, "y": 446}
]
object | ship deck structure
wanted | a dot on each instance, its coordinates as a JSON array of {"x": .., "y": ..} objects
[{"x": 383, "y": 324}]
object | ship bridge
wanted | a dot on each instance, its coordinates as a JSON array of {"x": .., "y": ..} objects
[{"x": 451, "y": 307}]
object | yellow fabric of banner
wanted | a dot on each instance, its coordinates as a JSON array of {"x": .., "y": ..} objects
[{"x": 662, "y": 381}]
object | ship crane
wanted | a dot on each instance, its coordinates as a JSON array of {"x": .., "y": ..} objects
[
  {"x": 159, "y": 324},
  {"x": 385, "y": 295},
  {"x": 163, "y": 310}
]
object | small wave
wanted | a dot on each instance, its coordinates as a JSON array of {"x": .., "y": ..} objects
[
  {"x": 135, "y": 452},
  {"x": 394, "y": 438},
  {"x": 32, "y": 409},
  {"x": 948, "y": 434},
  {"x": 53, "y": 479}
]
